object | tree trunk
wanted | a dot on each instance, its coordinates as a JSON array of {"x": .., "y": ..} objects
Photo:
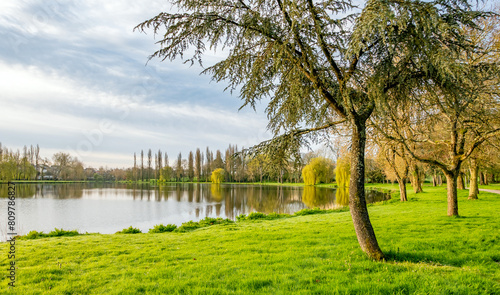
[
  {"x": 460, "y": 183},
  {"x": 473, "y": 187},
  {"x": 434, "y": 180},
  {"x": 402, "y": 189},
  {"x": 481, "y": 178},
  {"x": 357, "y": 202},
  {"x": 451, "y": 186},
  {"x": 415, "y": 179}
]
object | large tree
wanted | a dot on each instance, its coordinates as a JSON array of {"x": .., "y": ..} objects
[
  {"x": 455, "y": 111},
  {"x": 319, "y": 63}
]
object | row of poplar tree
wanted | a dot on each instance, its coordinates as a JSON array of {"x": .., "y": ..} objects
[{"x": 199, "y": 165}]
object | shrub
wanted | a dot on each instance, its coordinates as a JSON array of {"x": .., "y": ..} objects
[
  {"x": 34, "y": 235},
  {"x": 188, "y": 226},
  {"x": 55, "y": 233},
  {"x": 275, "y": 215},
  {"x": 256, "y": 215},
  {"x": 207, "y": 221},
  {"x": 61, "y": 232},
  {"x": 160, "y": 228},
  {"x": 130, "y": 230},
  {"x": 241, "y": 217},
  {"x": 259, "y": 215},
  {"x": 308, "y": 211}
]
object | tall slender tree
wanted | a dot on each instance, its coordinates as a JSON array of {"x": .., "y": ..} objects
[
  {"x": 160, "y": 164},
  {"x": 150, "y": 159},
  {"x": 178, "y": 169},
  {"x": 218, "y": 162},
  {"x": 208, "y": 167},
  {"x": 197, "y": 164},
  {"x": 37, "y": 158},
  {"x": 142, "y": 165},
  {"x": 190, "y": 166}
]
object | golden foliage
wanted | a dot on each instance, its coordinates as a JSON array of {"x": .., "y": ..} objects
[
  {"x": 343, "y": 172},
  {"x": 319, "y": 170},
  {"x": 217, "y": 175}
]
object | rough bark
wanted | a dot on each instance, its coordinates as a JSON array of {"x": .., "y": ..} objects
[
  {"x": 357, "y": 202},
  {"x": 416, "y": 179},
  {"x": 451, "y": 185},
  {"x": 460, "y": 183},
  {"x": 402, "y": 189},
  {"x": 473, "y": 187}
]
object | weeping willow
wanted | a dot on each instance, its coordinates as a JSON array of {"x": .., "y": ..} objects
[
  {"x": 342, "y": 172},
  {"x": 217, "y": 176},
  {"x": 317, "y": 171},
  {"x": 308, "y": 175}
]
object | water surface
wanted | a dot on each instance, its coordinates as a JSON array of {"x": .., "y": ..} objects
[{"x": 110, "y": 207}]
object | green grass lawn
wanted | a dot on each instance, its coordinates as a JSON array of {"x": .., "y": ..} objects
[{"x": 428, "y": 253}]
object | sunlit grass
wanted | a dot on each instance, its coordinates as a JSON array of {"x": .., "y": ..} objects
[
  {"x": 495, "y": 186},
  {"x": 428, "y": 253}
]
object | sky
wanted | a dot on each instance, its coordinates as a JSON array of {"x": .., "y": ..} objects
[{"x": 75, "y": 78}]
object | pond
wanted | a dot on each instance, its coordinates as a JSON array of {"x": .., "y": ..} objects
[{"x": 110, "y": 207}]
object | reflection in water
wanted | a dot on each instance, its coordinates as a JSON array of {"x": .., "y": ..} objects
[
  {"x": 315, "y": 197},
  {"x": 342, "y": 196},
  {"x": 109, "y": 207},
  {"x": 216, "y": 192}
]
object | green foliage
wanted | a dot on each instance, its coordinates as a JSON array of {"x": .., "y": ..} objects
[
  {"x": 129, "y": 230},
  {"x": 188, "y": 226},
  {"x": 55, "y": 233},
  {"x": 274, "y": 215},
  {"x": 160, "y": 228},
  {"x": 319, "y": 170},
  {"x": 207, "y": 221},
  {"x": 343, "y": 172},
  {"x": 256, "y": 215},
  {"x": 60, "y": 232},
  {"x": 13, "y": 166},
  {"x": 308, "y": 211},
  {"x": 166, "y": 174},
  {"x": 33, "y": 235},
  {"x": 217, "y": 176}
]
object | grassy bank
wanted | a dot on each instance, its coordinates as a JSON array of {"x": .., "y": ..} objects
[{"x": 429, "y": 253}]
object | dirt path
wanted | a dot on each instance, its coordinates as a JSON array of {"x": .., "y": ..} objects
[{"x": 490, "y": 190}]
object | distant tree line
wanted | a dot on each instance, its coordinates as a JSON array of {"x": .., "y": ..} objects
[
  {"x": 28, "y": 165},
  {"x": 237, "y": 166},
  {"x": 199, "y": 165},
  {"x": 233, "y": 165}
]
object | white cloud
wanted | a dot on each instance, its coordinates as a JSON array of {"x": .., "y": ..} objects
[
  {"x": 61, "y": 112},
  {"x": 67, "y": 67}
]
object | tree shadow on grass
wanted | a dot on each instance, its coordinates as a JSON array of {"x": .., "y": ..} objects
[{"x": 401, "y": 257}]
